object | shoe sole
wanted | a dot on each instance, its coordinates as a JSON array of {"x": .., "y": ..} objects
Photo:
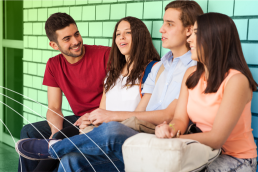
[{"x": 21, "y": 154}]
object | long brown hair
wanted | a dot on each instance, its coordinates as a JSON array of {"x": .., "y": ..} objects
[
  {"x": 219, "y": 49},
  {"x": 141, "y": 53}
]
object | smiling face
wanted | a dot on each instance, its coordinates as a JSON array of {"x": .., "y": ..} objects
[
  {"x": 124, "y": 38},
  {"x": 192, "y": 41},
  {"x": 69, "y": 41},
  {"x": 174, "y": 34}
]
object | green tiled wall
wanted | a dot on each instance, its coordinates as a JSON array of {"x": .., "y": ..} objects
[{"x": 96, "y": 20}]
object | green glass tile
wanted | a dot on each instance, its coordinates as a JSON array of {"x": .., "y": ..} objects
[
  {"x": 41, "y": 69},
  {"x": 43, "y": 111},
  {"x": 33, "y": 42},
  {"x": 27, "y": 80},
  {"x": 64, "y": 10},
  {"x": 32, "y": 68},
  {"x": 25, "y": 118},
  {"x": 164, "y": 51},
  {"x": 47, "y": 3},
  {"x": 43, "y": 42},
  {"x": 65, "y": 104},
  {"x": 25, "y": 67},
  {"x": 152, "y": 10},
  {"x": 33, "y": 94},
  {"x": 83, "y": 28},
  {"x": 245, "y": 7},
  {"x": 252, "y": 33},
  {"x": 254, "y": 72},
  {"x": 55, "y": 53},
  {"x": 110, "y": 42},
  {"x": 102, "y": 12},
  {"x": 149, "y": 25},
  {"x": 36, "y": 3},
  {"x": 95, "y": 29},
  {"x": 25, "y": 15},
  {"x": 37, "y": 54},
  {"x": 81, "y": 2},
  {"x": 108, "y": 28},
  {"x": 203, "y": 4},
  {"x": 109, "y": 1},
  {"x": 42, "y": 96},
  {"x": 67, "y": 113},
  {"x": 165, "y": 3},
  {"x": 25, "y": 91},
  {"x": 43, "y": 29},
  {"x": 250, "y": 51},
  {"x": 27, "y": 54},
  {"x": 42, "y": 14},
  {"x": 241, "y": 25},
  {"x": 76, "y": 13},
  {"x": 46, "y": 55},
  {"x": 157, "y": 45},
  {"x": 27, "y": 28},
  {"x": 37, "y": 82},
  {"x": 221, "y": 6},
  {"x": 156, "y": 27},
  {"x": 104, "y": 42},
  {"x": 44, "y": 87},
  {"x": 58, "y": 2},
  {"x": 117, "y": 11},
  {"x": 94, "y": 1},
  {"x": 32, "y": 118},
  {"x": 124, "y": 0},
  {"x": 88, "y": 13},
  {"x": 37, "y": 109},
  {"x": 27, "y": 4},
  {"x": 88, "y": 41},
  {"x": 51, "y": 11},
  {"x": 28, "y": 104},
  {"x": 25, "y": 41},
  {"x": 37, "y": 28},
  {"x": 134, "y": 10},
  {"x": 69, "y": 2},
  {"x": 33, "y": 15}
]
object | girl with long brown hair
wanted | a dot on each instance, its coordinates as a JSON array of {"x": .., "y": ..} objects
[{"x": 217, "y": 95}]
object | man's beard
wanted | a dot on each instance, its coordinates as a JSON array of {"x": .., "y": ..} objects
[{"x": 69, "y": 53}]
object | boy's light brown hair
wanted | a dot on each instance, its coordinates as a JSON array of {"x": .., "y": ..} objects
[{"x": 190, "y": 10}]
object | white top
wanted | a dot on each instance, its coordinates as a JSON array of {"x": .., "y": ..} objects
[{"x": 120, "y": 98}]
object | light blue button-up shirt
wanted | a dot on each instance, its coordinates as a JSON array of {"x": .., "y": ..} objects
[{"x": 168, "y": 85}]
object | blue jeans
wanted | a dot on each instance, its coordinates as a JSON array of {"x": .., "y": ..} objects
[
  {"x": 228, "y": 163},
  {"x": 108, "y": 136},
  {"x": 28, "y": 131},
  {"x": 75, "y": 162}
]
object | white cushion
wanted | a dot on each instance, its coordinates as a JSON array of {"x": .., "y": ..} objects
[{"x": 147, "y": 153}]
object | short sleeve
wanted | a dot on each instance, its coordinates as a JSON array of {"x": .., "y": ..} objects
[
  {"x": 149, "y": 84},
  {"x": 49, "y": 79}
]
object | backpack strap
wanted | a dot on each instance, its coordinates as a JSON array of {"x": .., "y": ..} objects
[
  {"x": 145, "y": 75},
  {"x": 161, "y": 69}
]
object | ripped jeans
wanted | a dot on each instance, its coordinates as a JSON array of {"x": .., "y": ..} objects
[{"x": 226, "y": 163}]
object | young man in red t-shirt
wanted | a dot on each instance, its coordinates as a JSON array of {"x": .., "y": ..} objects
[{"x": 78, "y": 72}]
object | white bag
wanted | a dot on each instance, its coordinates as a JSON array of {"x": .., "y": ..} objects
[{"x": 147, "y": 153}]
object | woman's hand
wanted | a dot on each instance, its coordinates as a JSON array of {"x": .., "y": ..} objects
[{"x": 165, "y": 130}]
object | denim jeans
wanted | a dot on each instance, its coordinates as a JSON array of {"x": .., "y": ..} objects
[
  {"x": 28, "y": 131},
  {"x": 226, "y": 163},
  {"x": 109, "y": 138},
  {"x": 75, "y": 162}
]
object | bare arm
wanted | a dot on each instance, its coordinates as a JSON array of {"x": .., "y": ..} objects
[
  {"x": 102, "y": 104},
  {"x": 236, "y": 95},
  {"x": 154, "y": 117},
  {"x": 55, "y": 104}
]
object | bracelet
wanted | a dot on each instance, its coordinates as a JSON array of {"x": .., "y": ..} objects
[{"x": 178, "y": 134}]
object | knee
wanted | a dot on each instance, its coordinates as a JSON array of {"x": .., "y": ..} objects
[{"x": 114, "y": 130}]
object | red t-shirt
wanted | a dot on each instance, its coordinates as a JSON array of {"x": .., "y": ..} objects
[{"x": 81, "y": 82}]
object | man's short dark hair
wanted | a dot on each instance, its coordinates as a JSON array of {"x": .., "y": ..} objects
[{"x": 56, "y": 22}]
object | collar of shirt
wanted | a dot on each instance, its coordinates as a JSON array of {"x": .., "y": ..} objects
[{"x": 167, "y": 59}]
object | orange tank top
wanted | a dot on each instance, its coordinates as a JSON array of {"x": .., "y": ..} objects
[{"x": 240, "y": 143}]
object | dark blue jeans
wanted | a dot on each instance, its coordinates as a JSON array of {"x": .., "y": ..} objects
[
  {"x": 108, "y": 138},
  {"x": 28, "y": 131}
]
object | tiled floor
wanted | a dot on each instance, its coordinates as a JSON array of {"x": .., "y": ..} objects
[{"x": 8, "y": 158}]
